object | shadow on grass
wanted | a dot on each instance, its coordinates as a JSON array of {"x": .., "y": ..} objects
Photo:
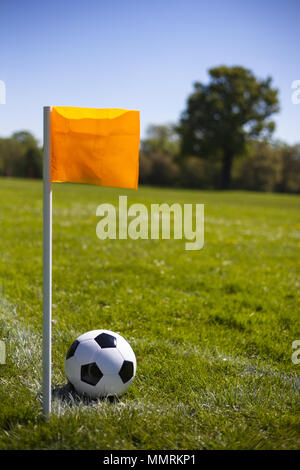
[{"x": 66, "y": 393}]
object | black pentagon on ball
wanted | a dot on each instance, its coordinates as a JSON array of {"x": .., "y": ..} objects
[
  {"x": 72, "y": 349},
  {"x": 90, "y": 373},
  {"x": 106, "y": 341},
  {"x": 126, "y": 371}
]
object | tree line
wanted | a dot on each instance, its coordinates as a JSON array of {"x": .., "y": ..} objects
[
  {"x": 264, "y": 166},
  {"x": 222, "y": 140},
  {"x": 21, "y": 155}
]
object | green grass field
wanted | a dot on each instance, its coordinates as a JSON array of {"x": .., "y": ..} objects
[{"x": 212, "y": 329}]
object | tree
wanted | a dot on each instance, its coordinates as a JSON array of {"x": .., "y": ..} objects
[
  {"x": 290, "y": 168},
  {"x": 159, "y": 151},
  {"x": 221, "y": 116},
  {"x": 11, "y": 156},
  {"x": 161, "y": 139},
  {"x": 262, "y": 170},
  {"x": 21, "y": 156}
]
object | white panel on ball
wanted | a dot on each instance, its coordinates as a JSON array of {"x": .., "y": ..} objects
[
  {"x": 72, "y": 370},
  {"x": 111, "y": 385},
  {"x": 89, "y": 335},
  {"x": 86, "y": 351},
  {"x": 109, "y": 361}
]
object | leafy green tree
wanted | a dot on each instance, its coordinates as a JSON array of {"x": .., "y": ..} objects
[
  {"x": 290, "y": 168},
  {"x": 161, "y": 139},
  {"x": 159, "y": 151},
  {"x": 221, "y": 116},
  {"x": 25, "y": 138},
  {"x": 199, "y": 173},
  {"x": 11, "y": 156},
  {"x": 20, "y": 155},
  {"x": 262, "y": 170}
]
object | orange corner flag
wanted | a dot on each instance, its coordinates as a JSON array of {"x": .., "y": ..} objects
[{"x": 95, "y": 146}]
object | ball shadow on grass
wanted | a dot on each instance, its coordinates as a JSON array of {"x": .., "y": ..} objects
[{"x": 67, "y": 394}]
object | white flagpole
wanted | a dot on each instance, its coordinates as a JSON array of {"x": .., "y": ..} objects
[{"x": 47, "y": 266}]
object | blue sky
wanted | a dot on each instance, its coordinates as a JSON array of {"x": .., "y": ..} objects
[{"x": 140, "y": 55}]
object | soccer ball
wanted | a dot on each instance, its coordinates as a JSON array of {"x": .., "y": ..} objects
[{"x": 100, "y": 363}]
